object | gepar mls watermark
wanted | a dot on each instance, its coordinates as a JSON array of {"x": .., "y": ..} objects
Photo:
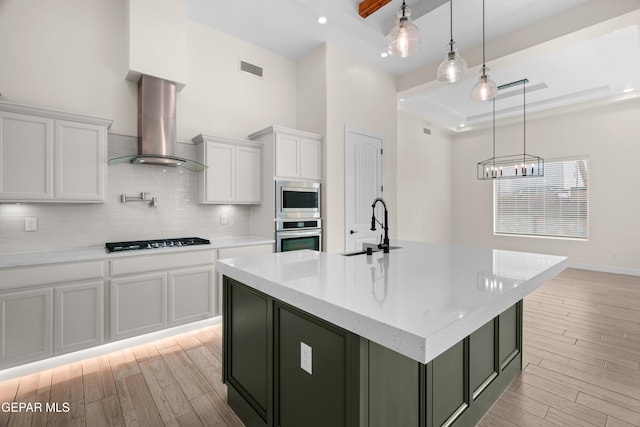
[{"x": 18, "y": 407}]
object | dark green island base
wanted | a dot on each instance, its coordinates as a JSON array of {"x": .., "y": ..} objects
[{"x": 354, "y": 381}]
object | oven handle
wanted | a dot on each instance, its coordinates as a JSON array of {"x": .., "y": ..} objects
[{"x": 300, "y": 233}]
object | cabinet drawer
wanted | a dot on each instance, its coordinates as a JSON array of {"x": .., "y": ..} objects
[
  {"x": 50, "y": 274},
  {"x": 164, "y": 262}
]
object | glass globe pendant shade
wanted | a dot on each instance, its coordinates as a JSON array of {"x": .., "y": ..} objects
[
  {"x": 404, "y": 39},
  {"x": 452, "y": 67},
  {"x": 485, "y": 89}
]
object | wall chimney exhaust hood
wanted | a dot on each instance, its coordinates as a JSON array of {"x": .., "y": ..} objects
[{"x": 157, "y": 126}]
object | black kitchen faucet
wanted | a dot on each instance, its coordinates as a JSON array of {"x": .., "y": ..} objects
[{"x": 384, "y": 244}]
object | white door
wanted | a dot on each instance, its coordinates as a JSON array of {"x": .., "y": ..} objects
[{"x": 363, "y": 183}]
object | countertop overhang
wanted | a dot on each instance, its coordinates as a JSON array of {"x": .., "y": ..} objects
[{"x": 418, "y": 300}]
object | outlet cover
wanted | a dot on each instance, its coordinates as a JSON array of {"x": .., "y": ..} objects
[
  {"x": 306, "y": 358},
  {"x": 30, "y": 223},
  {"x": 223, "y": 219}
]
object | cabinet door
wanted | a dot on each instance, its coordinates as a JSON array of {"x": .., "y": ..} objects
[
  {"x": 191, "y": 295},
  {"x": 138, "y": 305},
  {"x": 26, "y": 320},
  {"x": 26, "y": 153},
  {"x": 310, "y": 159},
  {"x": 79, "y": 161},
  {"x": 287, "y": 156},
  {"x": 248, "y": 174},
  {"x": 79, "y": 320},
  {"x": 219, "y": 175}
]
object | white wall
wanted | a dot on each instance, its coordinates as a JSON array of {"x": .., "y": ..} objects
[
  {"x": 424, "y": 175},
  {"x": 609, "y": 135},
  {"x": 71, "y": 55},
  {"x": 221, "y": 100},
  {"x": 363, "y": 98},
  {"x": 68, "y": 55}
]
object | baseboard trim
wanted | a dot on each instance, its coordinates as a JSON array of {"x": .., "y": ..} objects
[
  {"x": 76, "y": 356},
  {"x": 605, "y": 268}
]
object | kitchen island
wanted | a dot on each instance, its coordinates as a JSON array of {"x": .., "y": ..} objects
[{"x": 426, "y": 335}]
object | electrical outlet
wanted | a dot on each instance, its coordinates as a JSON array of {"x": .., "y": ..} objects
[
  {"x": 306, "y": 358},
  {"x": 223, "y": 219},
  {"x": 30, "y": 223}
]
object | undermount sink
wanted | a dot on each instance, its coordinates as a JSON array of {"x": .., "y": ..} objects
[{"x": 374, "y": 248}]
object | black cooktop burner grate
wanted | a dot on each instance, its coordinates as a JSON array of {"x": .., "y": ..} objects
[{"x": 154, "y": 244}]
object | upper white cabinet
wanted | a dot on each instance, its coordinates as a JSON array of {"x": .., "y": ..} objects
[
  {"x": 49, "y": 156},
  {"x": 234, "y": 170},
  {"x": 296, "y": 154}
]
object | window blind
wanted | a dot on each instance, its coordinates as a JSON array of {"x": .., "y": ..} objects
[{"x": 555, "y": 205}]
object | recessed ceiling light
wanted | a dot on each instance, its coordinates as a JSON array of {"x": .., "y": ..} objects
[
  {"x": 461, "y": 125},
  {"x": 627, "y": 89},
  {"x": 401, "y": 99},
  {"x": 322, "y": 20},
  {"x": 384, "y": 55}
]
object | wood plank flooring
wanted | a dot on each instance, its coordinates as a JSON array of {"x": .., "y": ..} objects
[{"x": 581, "y": 367}]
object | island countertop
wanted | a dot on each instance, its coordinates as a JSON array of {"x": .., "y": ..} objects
[{"x": 417, "y": 300}]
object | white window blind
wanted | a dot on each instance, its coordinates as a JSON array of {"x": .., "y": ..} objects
[{"x": 555, "y": 205}]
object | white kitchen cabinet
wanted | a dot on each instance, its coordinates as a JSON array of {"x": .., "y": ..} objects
[
  {"x": 66, "y": 155},
  {"x": 191, "y": 295},
  {"x": 296, "y": 154},
  {"x": 79, "y": 316},
  {"x": 153, "y": 292},
  {"x": 26, "y": 325},
  {"x": 138, "y": 304},
  {"x": 234, "y": 170}
]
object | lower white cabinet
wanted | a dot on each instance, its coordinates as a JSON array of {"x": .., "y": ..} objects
[
  {"x": 153, "y": 292},
  {"x": 26, "y": 325},
  {"x": 138, "y": 304},
  {"x": 79, "y": 316},
  {"x": 191, "y": 295}
]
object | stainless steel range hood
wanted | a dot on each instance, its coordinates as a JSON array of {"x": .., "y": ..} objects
[{"x": 157, "y": 126}]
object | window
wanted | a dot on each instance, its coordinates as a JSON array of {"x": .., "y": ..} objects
[{"x": 555, "y": 205}]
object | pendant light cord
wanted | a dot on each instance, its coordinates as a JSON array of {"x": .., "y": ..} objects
[
  {"x": 483, "y": 42},
  {"x": 524, "y": 120},
  {"x": 451, "y": 22}
]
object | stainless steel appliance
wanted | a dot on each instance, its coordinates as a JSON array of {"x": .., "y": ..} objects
[
  {"x": 293, "y": 235},
  {"x": 154, "y": 244},
  {"x": 297, "y": 199}
]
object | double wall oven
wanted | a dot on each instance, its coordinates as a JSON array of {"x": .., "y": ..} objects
[{"x": 298, "y": 224}]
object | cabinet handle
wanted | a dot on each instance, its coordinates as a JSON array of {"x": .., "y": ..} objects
[{"x": 352, "y": 232}]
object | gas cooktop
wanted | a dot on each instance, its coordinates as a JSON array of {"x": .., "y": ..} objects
[{"x": 154, "y": 244}]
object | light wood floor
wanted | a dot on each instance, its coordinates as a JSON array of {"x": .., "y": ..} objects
[{"x": 581, "y": 368}]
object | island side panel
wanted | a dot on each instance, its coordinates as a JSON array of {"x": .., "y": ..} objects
[{"x": 248, "y": 351}]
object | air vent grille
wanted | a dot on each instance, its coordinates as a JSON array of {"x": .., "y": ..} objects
[
  {"x": 427, "y": 131},
  {"x": 250, "y": 68}
]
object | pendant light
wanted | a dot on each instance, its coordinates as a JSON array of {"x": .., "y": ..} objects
[
  {"x": 404, "y": 38},
  {"x": 453, "y": 66},
  {"x": 516, "y": 165},
  {"x": 486, "y": 88}
]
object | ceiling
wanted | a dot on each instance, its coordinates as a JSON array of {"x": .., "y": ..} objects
[{"x": 592, "y": 64}]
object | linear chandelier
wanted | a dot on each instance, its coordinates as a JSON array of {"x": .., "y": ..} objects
[{"x": 516, "y": 165}]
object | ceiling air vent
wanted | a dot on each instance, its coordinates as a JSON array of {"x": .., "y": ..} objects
[
  {"x": 249, "y": 68},
  {"x": 427, "y": 131}
]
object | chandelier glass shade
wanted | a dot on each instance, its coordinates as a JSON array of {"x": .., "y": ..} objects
[
  {"x": 486, "y": 88},
  {"x": 404, "y": 38},
  {"x": 453, "y": 66}
]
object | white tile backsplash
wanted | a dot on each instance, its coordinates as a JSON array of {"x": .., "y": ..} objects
[{"x": 78, "y": 225}]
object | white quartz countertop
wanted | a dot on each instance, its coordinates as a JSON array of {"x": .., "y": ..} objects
[
  {"x": 418, "y": 300},
  {"x": 21, "y": 259}
]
